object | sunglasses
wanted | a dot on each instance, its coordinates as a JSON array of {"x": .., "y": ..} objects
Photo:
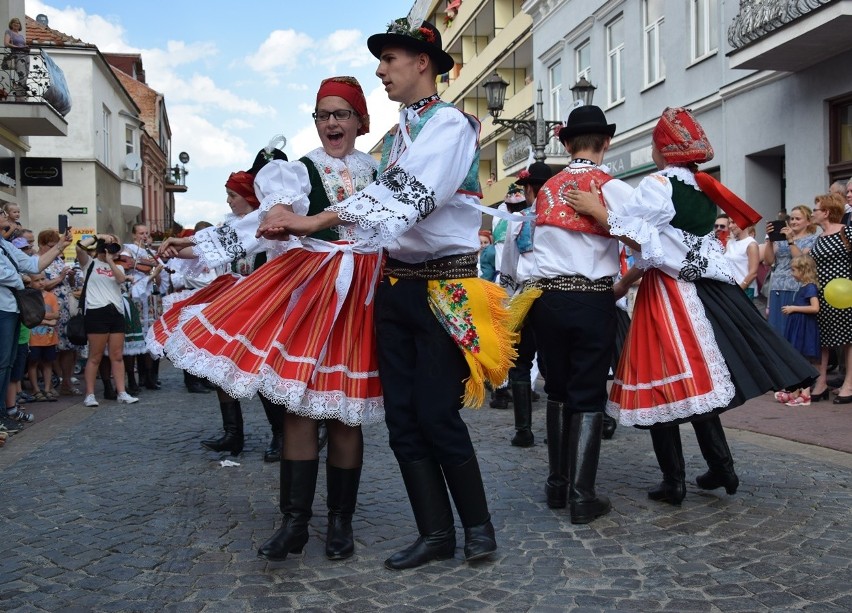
[{"x": 720, "y": 227}]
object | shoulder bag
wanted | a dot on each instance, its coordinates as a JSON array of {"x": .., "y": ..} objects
[
  {"x": 75, "y": 329},
  {"x": 30, "y": 301}
]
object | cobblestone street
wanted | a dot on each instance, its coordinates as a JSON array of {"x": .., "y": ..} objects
[{"x": 119, "y": 509}]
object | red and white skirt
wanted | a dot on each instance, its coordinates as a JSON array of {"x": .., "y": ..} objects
[
  {"x": 298, "y": 330},
  {"x": 671, "y": 367}
]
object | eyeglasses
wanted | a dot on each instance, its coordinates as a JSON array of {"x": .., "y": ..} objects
[
  {"x": 815, "y": 210},
  {"x": 719, "y": 226},
  {"x": 3, "y": 213},
  {"x": 339, "y": 115}
]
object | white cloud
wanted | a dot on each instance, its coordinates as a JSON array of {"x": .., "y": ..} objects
[
  {"x": 297, "y": 87},
  {"x": 236, "y": 124},
  {"x": 306, "y": 108},
  {"x": 304, "y": 140},
  {"x": 280, "y": 50},
  {"x": 188, "y": 212},
  {"x": 384, "y": 113},
  {"x": 94, "y": 29},
  {"x": 210, "y": 146}
]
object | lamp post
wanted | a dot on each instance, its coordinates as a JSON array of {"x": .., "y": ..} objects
[
  {"x": 177, "y": 173},
  {"x": 538, "y": 130}
]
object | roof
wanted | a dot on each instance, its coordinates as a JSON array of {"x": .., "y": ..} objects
[
  {"x": 146, "y": 99},
  {"x": 42, "y": 35}
]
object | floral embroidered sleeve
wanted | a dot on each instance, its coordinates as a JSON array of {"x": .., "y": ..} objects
[
  {"x": 281, "y": 182},
  {"x": 234, "y": 239},
  {"x": 425, "y": 177}
]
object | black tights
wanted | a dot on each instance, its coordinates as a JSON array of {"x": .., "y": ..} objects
[{"x": 345, "y": 443}]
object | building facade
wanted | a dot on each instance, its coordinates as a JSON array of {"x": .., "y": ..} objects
[{"x": 768, "y": 80}]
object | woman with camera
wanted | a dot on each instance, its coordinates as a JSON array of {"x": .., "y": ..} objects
[{"x": 104, "y": 313}]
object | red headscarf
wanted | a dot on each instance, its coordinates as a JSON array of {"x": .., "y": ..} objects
[
  {"x": 243, "y": 183},
  {"x": 350, "y": 90},
  {"x": 681, "y": 141}
]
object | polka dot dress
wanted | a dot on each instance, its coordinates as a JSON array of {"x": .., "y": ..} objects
[{"x": 833, "y": 261}]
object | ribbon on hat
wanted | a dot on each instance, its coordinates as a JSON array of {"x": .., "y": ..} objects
[{"x": 742, "y": 214}]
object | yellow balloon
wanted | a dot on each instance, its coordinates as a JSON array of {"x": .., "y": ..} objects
[{"x": 838, "y": 293}]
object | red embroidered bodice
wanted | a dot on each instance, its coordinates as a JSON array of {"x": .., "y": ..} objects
[{"x": 552, "y": 208}]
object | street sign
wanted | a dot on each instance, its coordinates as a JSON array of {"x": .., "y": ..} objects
[{"x": 78, "y": 210}]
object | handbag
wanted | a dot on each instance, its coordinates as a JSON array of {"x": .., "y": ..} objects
[
  {"x": 75, "y": 329},
  {"x": 30, "y": 301}
]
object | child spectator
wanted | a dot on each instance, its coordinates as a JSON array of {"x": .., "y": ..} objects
[
  {"x": 801, "y": 329},
  {"x": 44, "y": 341}
]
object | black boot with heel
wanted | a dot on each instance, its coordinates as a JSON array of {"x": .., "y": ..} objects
[
  {"x": 232, "y": 423},
  {"x": 522, "y": 405},
  {"x": 669, "y": 452},
  {"x": 298, "y": 482},
  {"x": 717, "y": 454},
  {"x": 468, "y": 492},
  {"x": 342, "y": 497},
  {"x": 584, "y": 448},
  {"x": 556, "y": 487}
]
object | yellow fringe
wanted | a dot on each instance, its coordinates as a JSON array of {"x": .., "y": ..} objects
[
  {"x": 519, "y": 307},
  {"x": 493, "y": 366}
]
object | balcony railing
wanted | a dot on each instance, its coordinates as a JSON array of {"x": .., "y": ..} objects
[
  {"x": 32, "y": 76},
  {"x": 759, "y": 18}
]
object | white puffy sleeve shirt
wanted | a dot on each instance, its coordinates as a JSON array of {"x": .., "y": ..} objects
[{"x": 413, "y": 209}]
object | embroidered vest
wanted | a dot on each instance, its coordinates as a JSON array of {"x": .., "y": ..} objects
[
  {"x": 694, "y": 211},
  {"x": 318, "y": 198},
  {"x": 471, "y": 184},
  {"x": 551, "y": 206}
]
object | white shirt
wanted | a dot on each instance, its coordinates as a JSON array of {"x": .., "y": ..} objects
[
  {"x": 414, "y": 209},
  {"x": 101, "y": 288},
  {"x": 736, "y": 252},
  {"x": 560, "y": 252}
]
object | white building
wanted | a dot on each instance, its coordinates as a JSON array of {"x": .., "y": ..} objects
[
  {"x": 103, "y": 126},
  {"x": 768, "y": 79}
]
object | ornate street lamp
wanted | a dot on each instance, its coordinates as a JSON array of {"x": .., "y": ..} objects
[
  {"x": 538, "y": 130},
  {"x": 583, "y": 90}
]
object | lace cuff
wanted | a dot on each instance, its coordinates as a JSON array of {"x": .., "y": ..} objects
[
  {"x": 218, "y": 247},
  {"x": 645, "y": 235}
]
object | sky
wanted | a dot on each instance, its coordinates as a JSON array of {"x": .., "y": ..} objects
[{"x": 237, "y": 74}]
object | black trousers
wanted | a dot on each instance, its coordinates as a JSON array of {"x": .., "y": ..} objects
[
  {"x": 575, "y": 333},
  {"x": 526, "y": 348},
  {"x": 422, "y": 373}
]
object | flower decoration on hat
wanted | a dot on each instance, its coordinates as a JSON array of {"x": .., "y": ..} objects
[
  {"x": 515, "y": 194},
  {"x": 411, "y": 28}
]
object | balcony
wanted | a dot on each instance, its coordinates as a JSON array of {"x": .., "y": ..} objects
[
  {"x": 789, "y": 35},
  {"x": 34, "y": 97}
]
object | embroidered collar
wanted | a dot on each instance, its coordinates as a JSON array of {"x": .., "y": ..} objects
[
  {"x": 583, "y": 161},
  {"x": 423, "y": 102},
  {"x": 681, "y": 173}
]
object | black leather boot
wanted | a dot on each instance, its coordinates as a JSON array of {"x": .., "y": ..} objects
[
  {"x": 714, "y": 448},
  {"x": 500, "y": 398},
  {"x": 298, "y": 484},
  {"x": 667, "y": 447},
  {"x": 427, "y": 494},
  {"x": 130, "y": 371},
  {"x": 193, "y": 384},
  {"x": 142, "y": 370},
  {"x": 556, "y": 487},
  {"x": 105, "y": 371},
  {"x": 342, "y": 496},
  {"x": 152, "y": 372},
  {"x": 232, "y": 423},
  {"x": 275, "y": 417},
  {"x": 465, "y": 483},
  {"x": 584, "y": 448},
  {"x": 609, "y": 426},
  {"x": 322, "y": 435},
  {"x": 522, "y": 404}
]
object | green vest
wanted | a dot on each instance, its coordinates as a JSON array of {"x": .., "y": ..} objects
[
  {"x": 318, "y": 200},
  {"x": 694, "y": 211}
]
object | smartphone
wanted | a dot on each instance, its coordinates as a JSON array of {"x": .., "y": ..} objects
[
  {"x": 63, "y": 224},
  {"x": 773, "y": 230}
]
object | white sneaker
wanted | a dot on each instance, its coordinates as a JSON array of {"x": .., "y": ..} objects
[
  {"x": 90, "y": 401},
  {"x": 125, "y": 398}
]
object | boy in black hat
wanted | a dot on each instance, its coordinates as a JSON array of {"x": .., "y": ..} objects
[
  {"x": 573, "y": 319},
  {"x": 421, "y": 209}
]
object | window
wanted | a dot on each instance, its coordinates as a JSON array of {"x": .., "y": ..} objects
[
  {"x": 840, "y": 138},
  {"x": 614, "y": 63},
  {"x": 106, "y": 136},
  {"x": 583, "y": 61},
  {"x": 652, "y": 22},
  {"x": 129, "y": 140},
  {"x": 554, "y": 75},
  {"x": 702, "y": 15}
]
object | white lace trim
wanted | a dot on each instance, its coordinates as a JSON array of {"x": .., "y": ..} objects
[
  {"x": 315, "y": 404},
  {"x": 683, "y": 174},
  {"x": 644, "y": 234},
  {"x": 723, "y": 387},
  {"x": 286, "y": 197}
]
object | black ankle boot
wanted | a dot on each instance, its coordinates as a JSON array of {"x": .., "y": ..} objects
[
  {"x": 556, "y": 487},
  {"x": 427, "y": 494},
  {"x": 667, "y": 447},
  {"x": 717, "y": 454},
  {"x": 105, "y": 373},
  {"x": 609, "y": 426},
  {"x": 500, "y": 398},
  {"x": 522, "y": 405},
  {"x": 298, "y": 483},
  {"x": 584, "y": 448},
  {"x": 273, "y": 451},
  {"x": 232, "y": 423},
  {"x": 342, "y": 496},
  {"x": 465, "y": 483},
  {"x": 275, "y": 417}
]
